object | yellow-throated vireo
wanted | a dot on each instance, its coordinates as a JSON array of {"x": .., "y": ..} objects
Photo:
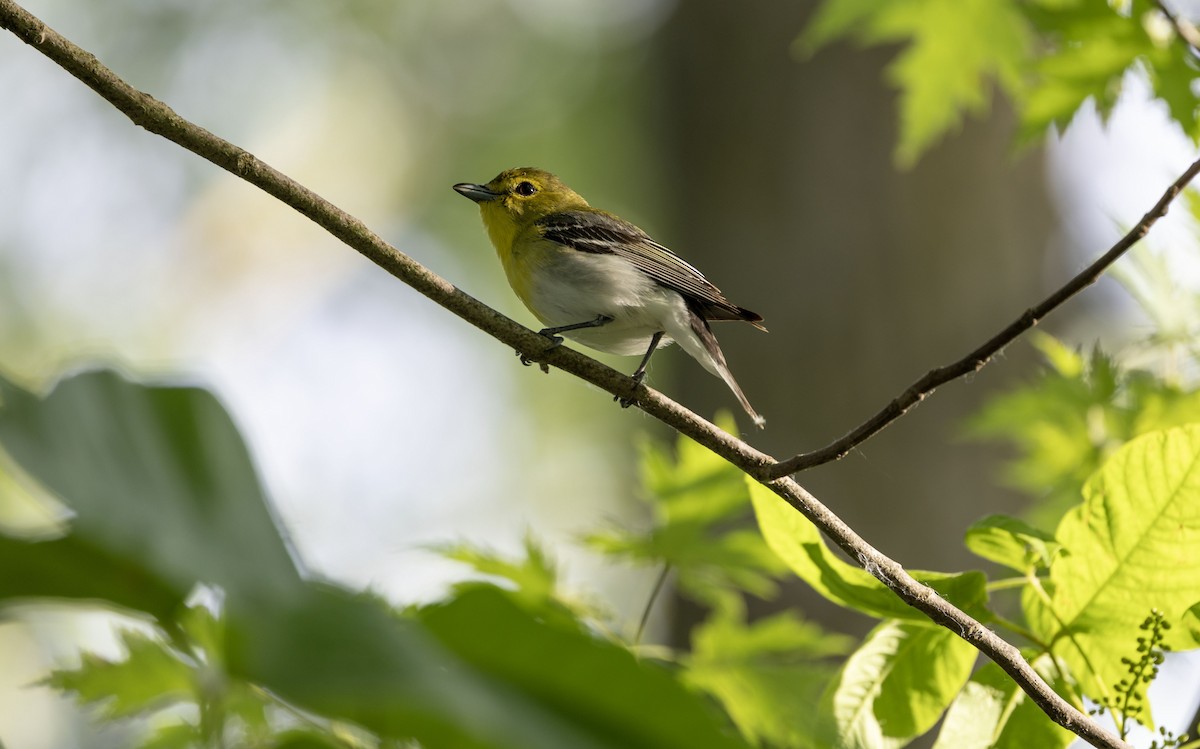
[{"x": 598, "y": 279}]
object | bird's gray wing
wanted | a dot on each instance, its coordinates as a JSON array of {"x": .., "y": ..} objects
[{"x": 603, "y": 233}]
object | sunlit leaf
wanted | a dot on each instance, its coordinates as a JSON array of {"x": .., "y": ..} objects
[
  {"x": 1129, "y": 548},
  {"x": 1089, "y": 49},
  {"x": 896, "y": 686},
  {"x": 1011, "y": 542},
  {"x": 698, "y": 500},
  {"x": 1063, "y": 359},
  {"x": 149, "y": 677},
  {"x": 534, "y": 576},
  {"x": 992, "y": 712},
  {"x": 946, "y": 67},
  {"x": 1173, "y": 308},
  {"x": 1191, "y": 623},
  {"x": 1072, "y": 418},
  {"x": 768, "y": 675},
  {"x": 1173, "y": 74},
  {"x": 798, "y": 543},
  {"x": 533, "y": 580}
]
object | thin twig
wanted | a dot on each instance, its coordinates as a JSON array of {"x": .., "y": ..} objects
[
  {"x": 156, "y": 117},
  {"x": 1183, "y": 27},
  {"x": 658, "y": 585},
  {"x": 976, "y": 360}
]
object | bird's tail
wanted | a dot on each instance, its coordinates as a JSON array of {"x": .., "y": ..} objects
[{"x": 710, "y": 355}]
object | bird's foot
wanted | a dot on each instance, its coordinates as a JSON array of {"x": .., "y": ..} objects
[
  {"x": 527, "y": 362},
  {"x": 629, "y": 400},
  {"x": 555, "y": 342}
]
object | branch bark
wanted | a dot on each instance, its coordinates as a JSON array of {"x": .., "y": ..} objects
[{"x": 158, "y": 118}]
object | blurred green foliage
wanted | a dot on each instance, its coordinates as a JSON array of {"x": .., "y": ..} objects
[
  {"x": 1049, "y": 57},
  {"x": 470, "y": 671},
  {"x": 1080, "y": 411},
  {"x": 165, "y": 506},
  {"x": 230, "y": 643},
  {"x": 696, "y": 503}
]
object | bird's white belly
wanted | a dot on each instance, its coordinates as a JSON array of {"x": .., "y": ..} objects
[{"x": 576, "y": 287}]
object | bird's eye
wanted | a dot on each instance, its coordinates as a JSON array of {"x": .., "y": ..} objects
[{"x": 525, "y": 188}]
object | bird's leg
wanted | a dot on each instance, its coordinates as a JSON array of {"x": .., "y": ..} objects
[
  {"x": 556, "y": 340},
  {"x": 640, "y": 373}
]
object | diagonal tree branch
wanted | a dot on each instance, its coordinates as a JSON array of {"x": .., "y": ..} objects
[
  {"x": 977, "y": 359},
  {"x": 156, "y": 117}
]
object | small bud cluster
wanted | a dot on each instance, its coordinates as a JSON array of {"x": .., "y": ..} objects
[{"x": 1129, "y": 700}]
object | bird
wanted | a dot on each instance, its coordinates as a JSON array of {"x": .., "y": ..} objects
[{"x": 598, "y": 279}]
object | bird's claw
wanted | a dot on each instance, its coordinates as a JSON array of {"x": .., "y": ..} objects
[
  {"x": 555, "y": 342},
  {"x": 629, "y": 400}
]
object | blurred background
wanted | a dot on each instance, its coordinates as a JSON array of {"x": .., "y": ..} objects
[{"x": 382, "y": 424}]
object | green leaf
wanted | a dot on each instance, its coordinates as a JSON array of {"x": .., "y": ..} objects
[
  {"x": 26, "y": 510},
  {"x": 798, "y": 543},
  {"x": 165, "y": 497},
  {"x": 947, "y": 64},
  {"x": 1160, "y": 405},
  {"x": 1011, "y": 542},
  {"x": 694, "y": 485},
  {"x": 1174, "y": 309},
  {"x": 534, "y": 578},
  {"x": 597, "y": 684},
  {"x": 1172, "y": 73},
  {"x": 895, "y": 686},
  {"x": 499, "y": 678},
  {"x": 1073, "y": 418},
  {"x": 1091, "y": 46},
  {"x": 534, "y": 581},
  {"x": 1191, "y": 624},
  {"x": 73, "y": 568},
  {"x": 149, "y": 678},
  {"x": 306, "y": 739},
  {"x": 1063, "y": 359},
  {"x": 153, "y": 475},
  {"x": 1129, "y": 548},
  {"x": 725, "y": 637},
  {"x": 835, "y": 19},
  {"x": 696, "y": 497},
  {"x": 767, "y": 675},
  {"x": 991, "y": 712},
  {"x": 173, "y": 736}
]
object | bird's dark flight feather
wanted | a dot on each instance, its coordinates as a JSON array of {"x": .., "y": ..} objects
[{"x": 603, "y": 233}]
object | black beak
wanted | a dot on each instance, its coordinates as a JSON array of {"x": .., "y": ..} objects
[{"x": 478, "y": 193}]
